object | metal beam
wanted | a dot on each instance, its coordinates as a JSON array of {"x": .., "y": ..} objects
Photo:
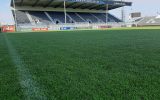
[
  {"x": 21, "y": 4},
  {"x": 76, "y": 5},
  {"x": 62, "y": 6},
  {"x": 86, "y": 7},
  {"x": 11, "y": 3},
  {"x": 58, "y": 5},
  {"x": 112, "y": 7},
  {"x": 35, "y": 3},
  {"x": 79, "y": 6},
  {"x": 49, "y": 2},
  {"x": 71, "y": 5},
  {"x": 83, "y": 6},
  {"x": 109, "y": 7},
  {"x": 61, "y": 3},
  {"x": 93, "y": 6},
  {"x": 101, "y": 7}
]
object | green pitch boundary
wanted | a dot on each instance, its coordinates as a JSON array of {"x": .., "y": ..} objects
[{"x": 123, "y": 28}]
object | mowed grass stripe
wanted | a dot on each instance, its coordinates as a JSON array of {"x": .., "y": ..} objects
[
  {"x": 31, "y": 89},
  {"x": 9, "y": 84}
]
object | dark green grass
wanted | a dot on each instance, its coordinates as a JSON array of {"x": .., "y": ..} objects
[
  {"x": 9, "y": 85},
  {"x": 93, "y": 65}
]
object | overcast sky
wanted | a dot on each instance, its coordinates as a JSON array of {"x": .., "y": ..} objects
[{"x": 147, "y": 7}]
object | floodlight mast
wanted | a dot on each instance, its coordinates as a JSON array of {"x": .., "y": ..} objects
[
  {"x": 65, "y": 14},
  {"x": 15, "y": 16},
  {"x": 123, "y": 13},
  {"x": 107, "y": 12}
]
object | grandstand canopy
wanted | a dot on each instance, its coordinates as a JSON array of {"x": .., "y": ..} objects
[{"x": 74, "y": 4}]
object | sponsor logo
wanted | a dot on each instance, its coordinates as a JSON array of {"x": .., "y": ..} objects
[
  {"x": 10, "y": 28},
  {"x": 104, "y": 27},
  {"x": 39, "y": 29},
  {"x": 67, "y": 28}
]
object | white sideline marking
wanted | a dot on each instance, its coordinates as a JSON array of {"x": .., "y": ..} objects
[{"x": 28, "y": 85}]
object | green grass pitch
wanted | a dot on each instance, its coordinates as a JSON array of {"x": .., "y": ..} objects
[{"x": 80, "y": 65}]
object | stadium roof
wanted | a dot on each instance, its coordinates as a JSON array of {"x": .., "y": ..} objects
[{"x": 80, "y": 4}]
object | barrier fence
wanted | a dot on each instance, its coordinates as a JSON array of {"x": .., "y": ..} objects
[
  {"x": 58, "y": 27},
  {"x": 75, "y": 26}
]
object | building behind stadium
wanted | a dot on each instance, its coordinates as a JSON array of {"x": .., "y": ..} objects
[{"x": 138, "y": 20}]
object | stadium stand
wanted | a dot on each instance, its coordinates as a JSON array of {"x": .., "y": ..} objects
[
  {"x": 149, "y": 21},
  {"x": 88, "y": 17},
  {"x": 75, "y": 17},
  {"x": 39, "y": 17},
  {"x": 54, "y": 12},
  {"x": 21, "y": 17},
  {"x": 58, "y": 17}
]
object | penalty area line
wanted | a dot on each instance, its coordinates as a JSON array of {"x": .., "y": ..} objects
[{"x": 31, "y": 89}]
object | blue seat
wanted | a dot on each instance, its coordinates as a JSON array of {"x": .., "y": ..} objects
[
  {"x": 59, "y": 17},
  {"x": 40, "y": 16}
]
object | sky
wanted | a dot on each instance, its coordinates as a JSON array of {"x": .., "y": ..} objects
[{"x": 147, "y": 7}]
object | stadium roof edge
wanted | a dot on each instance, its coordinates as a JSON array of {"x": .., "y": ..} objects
[{"x": 75, "y": 4}]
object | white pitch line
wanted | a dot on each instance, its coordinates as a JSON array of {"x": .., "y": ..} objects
[{"x": 31, "y": 89}]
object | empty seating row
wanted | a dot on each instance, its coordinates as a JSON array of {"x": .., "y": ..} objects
[
  {"x": 21, "y": 17},
  {"x": 50, "y": 17},
  {"x": 58, "y": 17},
  {"x": 39, "y": 17}
]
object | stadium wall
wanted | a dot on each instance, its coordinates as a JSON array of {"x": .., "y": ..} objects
[{"x": 80, "y": 26}]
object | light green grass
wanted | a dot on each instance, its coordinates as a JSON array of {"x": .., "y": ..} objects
[{"x": 93, "y": 65}]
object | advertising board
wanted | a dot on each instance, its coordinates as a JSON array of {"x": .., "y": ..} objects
[
  {"x": 8, "y": 28},
  {"x": 39, "y": 29}
]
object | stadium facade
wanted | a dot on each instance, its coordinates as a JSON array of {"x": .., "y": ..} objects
[{"x": 64, "y": 14}]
